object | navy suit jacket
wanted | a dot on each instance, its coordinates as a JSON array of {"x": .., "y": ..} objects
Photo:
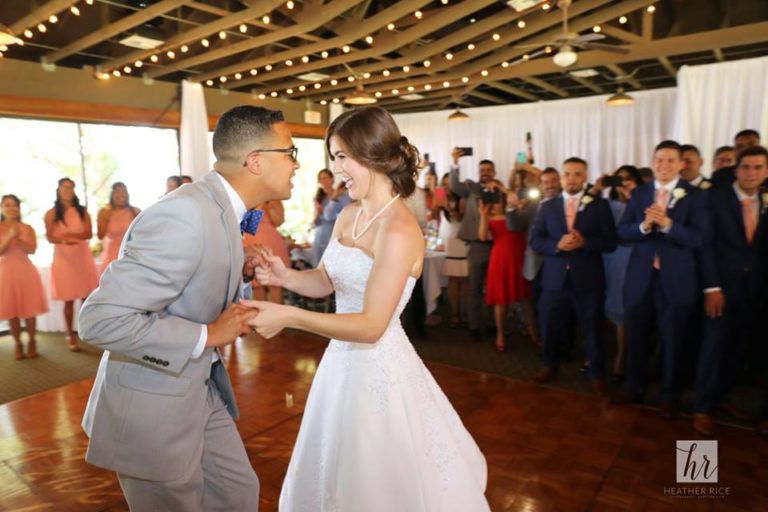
[
  {"x": 677, "y": 250},
  {"x": 595, "y": 223},
  {"x": 729, "y": 256}
]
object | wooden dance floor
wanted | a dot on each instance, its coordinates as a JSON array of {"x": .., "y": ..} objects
[{"x": 547, "y": 448}]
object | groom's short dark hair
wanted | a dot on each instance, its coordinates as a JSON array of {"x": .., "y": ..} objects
[{"x": 238, "y": 128}]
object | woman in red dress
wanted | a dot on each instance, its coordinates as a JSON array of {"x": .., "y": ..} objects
[
  {"x": 505, "y": 282},
  {"x": 21, "y": 294}
]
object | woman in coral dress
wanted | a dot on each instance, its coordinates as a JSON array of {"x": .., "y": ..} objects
[
  {"x": 113, "y": 222},
  {"x": 21, "y": 294},
  {"x": 73, "y": 272},
  {"x": 505, "y": 282},
  {"x": 270, "y": 238}
]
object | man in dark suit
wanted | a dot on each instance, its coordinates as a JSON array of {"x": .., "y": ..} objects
[
  {"x": 692, "y": 163},
  {"x": 725, "y": 156},
  {"x": 744, "y": 139},
  {"x": 572, "y": 231},
  {"x": 734, "y": 272},
  {"x": 667, "y": 221}
]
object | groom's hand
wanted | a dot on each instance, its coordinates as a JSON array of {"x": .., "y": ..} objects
[
  {"x": 271, "y": 319},
  {"x": 233, "y": 322},
  {"x": 254, "y": 256}
]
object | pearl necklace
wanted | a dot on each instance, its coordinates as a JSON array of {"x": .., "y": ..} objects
[{"x": 368, "y": 224}]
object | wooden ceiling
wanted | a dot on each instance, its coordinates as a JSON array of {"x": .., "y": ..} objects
[{"x": 444, "y": 52}]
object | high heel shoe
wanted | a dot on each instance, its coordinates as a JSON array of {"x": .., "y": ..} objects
[
  {"x": 32, "y": 349},
  {"x": 18, "y": 353}
]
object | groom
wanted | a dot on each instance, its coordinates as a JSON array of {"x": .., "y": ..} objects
[{"x": 161, "y": 413}]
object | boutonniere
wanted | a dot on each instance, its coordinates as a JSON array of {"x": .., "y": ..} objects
[
  {"x": 585, "y": 200},
  {"x": 705, "y": 185},
  {"x": 677, "y": 194}
]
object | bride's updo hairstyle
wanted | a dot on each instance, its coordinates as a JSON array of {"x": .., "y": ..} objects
[{"x": 371, "y": 137}]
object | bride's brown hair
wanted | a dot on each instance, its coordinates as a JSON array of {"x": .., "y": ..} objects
[{"x": 371, "y": 137}]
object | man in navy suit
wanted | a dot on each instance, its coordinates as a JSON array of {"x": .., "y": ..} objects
[
  {"x": 734, "y": 272},
  {"x": 743, "y": 140},
  {"x": 668, "y": 222},
  {"x": 572, "y": 231}
]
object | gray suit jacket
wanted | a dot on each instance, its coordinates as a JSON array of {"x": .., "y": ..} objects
[
  {"x": 472, "y": 191},
  {"x": 181, "y": 266}
]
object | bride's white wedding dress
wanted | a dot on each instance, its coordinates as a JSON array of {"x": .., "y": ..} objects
[{"x": 378, "y": 434}]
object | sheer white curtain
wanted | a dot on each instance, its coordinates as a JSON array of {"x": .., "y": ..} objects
[
  {"x": 193, "y": 135},
  {"x": 716, "y": 101},
  {"x": 606, "y": 137}
]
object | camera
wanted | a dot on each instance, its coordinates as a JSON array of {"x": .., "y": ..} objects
[
  {"x": 467, "y": 151},
  {"x": 491, "y": 196},
  {"x": 613, "y": 181}
]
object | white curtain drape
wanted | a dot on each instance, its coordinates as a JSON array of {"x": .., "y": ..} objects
[
  {"x": 716, "y": 101},
  {"x": 606, "y": 137},
  {"x": 193, "y": 134}
]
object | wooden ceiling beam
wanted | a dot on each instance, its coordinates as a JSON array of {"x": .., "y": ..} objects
[
  {"x": 671, "y": 69},
  {"x": 647, "y": 25},
  {"x": 515, "y": 91},
  {"x": 40, "y": 15},
  {"x": 587, "y": 83},
  {"x": 541, "y": 84},
  {"x": 620, "y": 34},
  {"x": 113, "y": 29},
  {"x": 622, "y": 76},
  {"x": 718, "y": 54},
  {"x": 509, "y": 53},
  {"x": 188, "y": 36},
  {"x": 329, "y": 11},
  {"x": 391, "y": 42}
]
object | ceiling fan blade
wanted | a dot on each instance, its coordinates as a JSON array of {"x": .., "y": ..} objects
[
  {"x": 593, "y": 36},
  {"x": 605, "y": 47},
  {"x": 530, "y": 56},
  {"x": 538, "y": 45}
]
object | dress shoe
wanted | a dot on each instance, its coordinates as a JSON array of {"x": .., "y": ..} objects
[
  {"x": 762, "y": 428},
  {"x": 625, "y": 397},
  {"x": 545, "y": 374},
  {"x": 703, "y": 424},
  {"x": 598, "y": 386},
  {"x": 669, "y": 410}
]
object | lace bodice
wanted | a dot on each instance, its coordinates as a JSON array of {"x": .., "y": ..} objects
[{"x": 349, "y": 268}]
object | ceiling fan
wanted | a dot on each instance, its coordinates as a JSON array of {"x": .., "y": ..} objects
[{"x": 567, "y": 41}]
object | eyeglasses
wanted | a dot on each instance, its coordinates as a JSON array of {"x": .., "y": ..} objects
[{"x": 293, "y": 151}]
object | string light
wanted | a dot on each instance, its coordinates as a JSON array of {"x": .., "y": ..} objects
[
  {"x": 74, "y": 10},
  {"x": 406, "y": 68},
  {"x": 262, "y": 96},
  {"x": 496, "y": 37},
  {"x": 268, "y": 67},
  {"x": 323, "y": 102},
  {"x": 254, "y": 72},
  {"x": 154, "y": 58},
  {"x": 89, "y": 2},
  {"x": 317, "y": 85},
  {"x": 427, "y": 87},
  {"x": 289, "y": 91},
  {"x": 545, "y": 7},
  {"x": 465, "y": 79},
  {"x": 418, "y": 14},
  {"x": 596, "y": 29},
  {"x": 127, "y": 69},
  {"x": 547, "y": 49},
  {"x": 369, "y": 39},
  {"x": 411, "y": 88},
  {"x": 205, "y": 43},
  {"x": 28, "y": 34},
  {"x": 238, "y": 76},
  {"x": 273, "y": 94},
  {"x": 446, "y": 84},
  {"x": 427, "y": 63},
  {"x": 444, "y": 2},
  {"x": 521, "y": 24},
  {"x": 302, "y": 88},
  {"x": 385, "y": 72},
  {"x": 350, "y": 79},
  {"x": 651, "y": 9},
  {"x": 526, "y": 57},
  {"x": 324, "y": 55},
  {"x": 223, "y": 79},
  {"x": 449, "y": 56},
  {"x": 290, "y": 4},
  {"x": 243, "y": 28},
  {"x": 334, "y": 82},
  {"x": 378, "y": 94},
  {"x": 505, "y": 64},
  {"x": 395, "y": 92},
  {"x": 222, "y": 35},
  {"x": 345, "y": 48},
  {"x": 305, "y": 59},
  {"x": 470, "y": 46},
  {"x": 391, "y": 26},
  {"x": 42, "y": 28},
  {"x": 116, "y": 72},
  {"x": 366, "y": 75},
  {"x": 484, "y": 72},
  {"x": 623, "y": 20},
  {"x": 265, "y": 19},
  {"x": 53, "y": 18},
  {"x": 138, "y": 64},
  {"x": 171, "y": 54},
  {"x": 335, "y": 100},
  {"x": 289, "y": 63},
  {"x": 209, "y": 83},
  {"x": 184, "y": 48}
]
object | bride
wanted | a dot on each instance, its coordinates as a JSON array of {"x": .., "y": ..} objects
[{"x": 378, "y": 434}]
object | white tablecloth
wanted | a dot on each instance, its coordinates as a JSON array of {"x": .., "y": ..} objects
[
  {"x": 53, "y": 320},
  {"x": 433, "y": 279}
]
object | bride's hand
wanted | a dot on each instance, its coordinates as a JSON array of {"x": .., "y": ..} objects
[
  {"x": 272, "y": 318},
  {"x": 271, "y": 271}
]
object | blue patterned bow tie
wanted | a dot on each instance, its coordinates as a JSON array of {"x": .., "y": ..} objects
[{"x": 250, "y": 222}]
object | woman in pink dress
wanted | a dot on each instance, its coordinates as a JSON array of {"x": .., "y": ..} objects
[
  {"x": 73, "y": 272},
  {"x": 21, "y": 294},
  {"x": 270, "y": 238},
  {"x": 113, "y": 221}
]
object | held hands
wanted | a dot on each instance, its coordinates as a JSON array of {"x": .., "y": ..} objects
[
  {"x": 714, "y": 303},
  {"x": 571, "y": 241},
  {"x": 270, "y": 319},
  {"x": 656, "y": 215},
  {"x": 233, "y": 322}
]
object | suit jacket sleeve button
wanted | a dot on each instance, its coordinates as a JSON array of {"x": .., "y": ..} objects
[
  {"x": 145, "y": 358},
  {"x": 165, "y": 363}
]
